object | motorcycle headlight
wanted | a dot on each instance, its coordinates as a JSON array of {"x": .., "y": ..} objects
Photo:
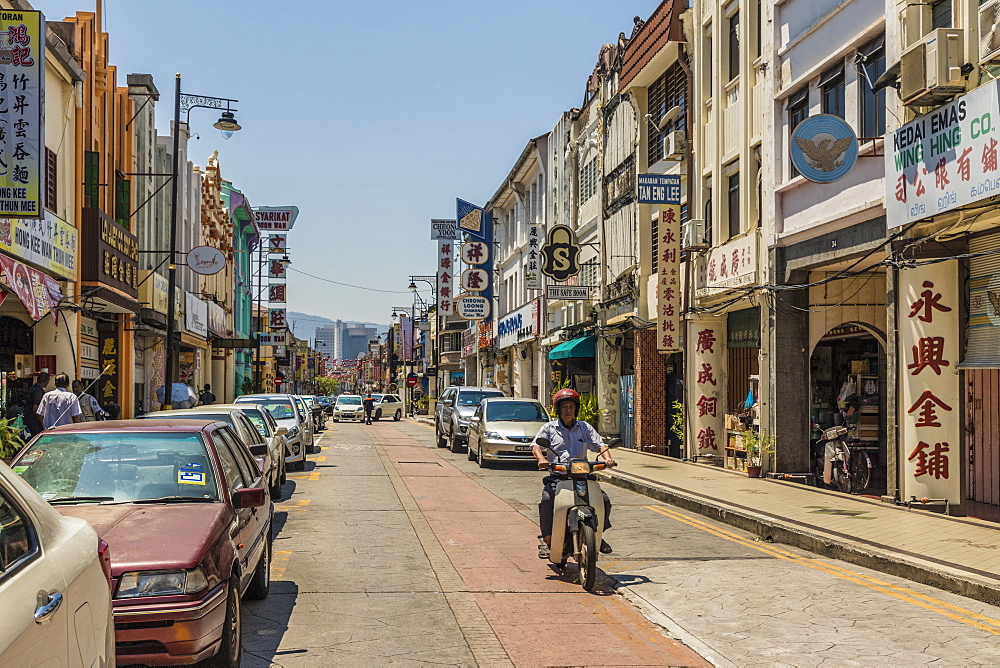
[
  {"x": 494, "y": 435},
  {"x": 579, "y": 467},
  {"x": 161, "y": 583}
]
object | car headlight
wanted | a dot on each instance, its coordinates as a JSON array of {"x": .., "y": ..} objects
[
  {"x": 494, "y": 435},
  {"x": 293, "y": 432},
  {"x": 161, "y": 583}
]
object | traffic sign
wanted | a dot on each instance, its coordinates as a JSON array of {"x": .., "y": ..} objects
[{"x": 412, "y": 380}]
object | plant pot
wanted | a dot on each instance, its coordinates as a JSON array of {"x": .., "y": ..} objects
[{"x": 753, "y": 471}]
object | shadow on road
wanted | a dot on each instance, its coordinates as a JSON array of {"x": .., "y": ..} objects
[{"x": 265, "y": 623}]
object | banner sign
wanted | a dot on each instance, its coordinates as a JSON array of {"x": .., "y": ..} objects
[
  {"x": 278, "y": 318},
  {"x": 707, "y": 414},
  {"x": 49, "y": 243},
  {"x": 275, "y": 218},
  {"x": 276, "y": 292},
  {"x": 731, "y": 265},
  {"x": 445, "y": 277},
  {"x": 520, "y": 325},
  {"x": 659, "y": 189},
  {"x": 38, "y": 292},
  {"x": 22, "y": 144},
  {"x": 109, "y": 360},
  {"x": 930, "y": 406},
  {"x": 443, "y": 229},
  {"x": 668, "y": 284},
  {"x": 945, "y": 159},
  {"x": 195, "y": 315},
  {"x": 532, "y": 281},
  {"x": 217, "y": 319},
  {"x": 567, "y": 292},
  {"x": 472, "y": 307}
]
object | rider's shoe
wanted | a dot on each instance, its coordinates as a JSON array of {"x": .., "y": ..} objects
[{"x": 605, "y": 548}]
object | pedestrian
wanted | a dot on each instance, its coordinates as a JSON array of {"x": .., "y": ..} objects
[
  {"x": 31, "y": 420},
  {"x": 207, "y": 398},
  {"x": 60, "y": 406},
  {"x": 90, "y": 410},
  {"x": 369, "y": 406}
]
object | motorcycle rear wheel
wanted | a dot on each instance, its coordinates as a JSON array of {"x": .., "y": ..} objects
[
  {"x": 588, "y": 557},
  {"x": 844, "y": 483}
]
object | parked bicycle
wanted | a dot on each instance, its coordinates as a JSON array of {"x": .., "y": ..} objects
[{"x": 837, "y": 464}]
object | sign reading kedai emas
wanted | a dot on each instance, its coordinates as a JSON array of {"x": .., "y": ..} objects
[{"x": 945, "y": 159}]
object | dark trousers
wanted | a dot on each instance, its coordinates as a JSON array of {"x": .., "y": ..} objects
[
  {"x": 368, "y": 416},
  {"x": 547, "y": 504}
]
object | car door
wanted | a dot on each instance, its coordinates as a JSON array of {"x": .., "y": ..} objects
[
  {"x": 227, "y": 445},
  {"x": 476, "y": 427},
  {"x": 254, "y": 534},
  {"x": 258, "y": 446},
  {"x": 29, "y": 581},
  {"x": 305, "y": 421},
  {"x": 444, "y": 415}
]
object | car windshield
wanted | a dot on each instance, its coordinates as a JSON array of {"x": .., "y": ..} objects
[
  {"x": 279, "y": 410},
  {"x": 475, "y": 398},
  {"x": 515, "y": 411},
  {"x": 118, "y": 466},
  {"x": 377, "y": 397},
  {"x": 349, "y": 401}
]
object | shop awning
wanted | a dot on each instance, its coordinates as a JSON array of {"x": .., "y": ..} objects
[{"x": 585, "y": 346}]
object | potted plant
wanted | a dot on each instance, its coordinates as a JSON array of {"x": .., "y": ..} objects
[
  {"x": 757, "y": 445},
  {"x": 10, "y": 438}
]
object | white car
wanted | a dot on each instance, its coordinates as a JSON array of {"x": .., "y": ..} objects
[
  {"x": 54, "y": 583},
  {"x": 348, "y": 407},
  {"x": 282, "y": 408},
  {"x": 387, "y": 405}
]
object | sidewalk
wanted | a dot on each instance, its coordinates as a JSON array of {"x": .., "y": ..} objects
[{"x": 958, "y": 554}]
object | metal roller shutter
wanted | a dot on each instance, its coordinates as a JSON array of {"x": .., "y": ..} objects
[{"x": 983, "y": 333}]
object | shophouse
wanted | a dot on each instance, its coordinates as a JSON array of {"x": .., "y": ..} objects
[
  {"x": 246, "y": 238},
  {"x": 39, "y": 256},
  {"x": 216, "y": 284}
]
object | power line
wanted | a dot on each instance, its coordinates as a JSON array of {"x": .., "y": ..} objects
[{"x": 348, "y": 285}]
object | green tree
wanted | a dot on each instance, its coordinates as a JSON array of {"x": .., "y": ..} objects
[{"x": 327, "y": 386}]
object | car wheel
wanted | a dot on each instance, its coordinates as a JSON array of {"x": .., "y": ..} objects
[
  {"x": 398, "y": 416},
  {"x": 284, "y": 473},
  {"x": 260, "y": 585},
  {"x": 469, "y": 453},
  {"x": 442, "y": 440},
  {"x": 232, "y": 631},
  {"x": 483, "y": 464},
  {"x": 378, "y": 414},
  {"x": 456, "y": 444},
  {"x": 335, "y": 420},
  {"x": 299, "y": 465}
]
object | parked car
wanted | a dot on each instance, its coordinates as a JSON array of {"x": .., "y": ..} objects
[
  {"x": 54, "y": 582},
  {"x": 269, "y": 449},
  {"x": 316, "y": 409},
  {"x": 388, "y": 404},
  {"x": 308, "y": 428},
  {"x": 502, "y": 429},
  {"x": 452, "y": 413},
  {"x": 348, "y": 407},
  {"x": 283, "y": 409},
  {"x": 326, "y": 403},
  {"x": 185, "y": 508}
]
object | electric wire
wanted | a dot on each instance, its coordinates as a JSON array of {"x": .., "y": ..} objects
[{"x": 349, "y": 285}]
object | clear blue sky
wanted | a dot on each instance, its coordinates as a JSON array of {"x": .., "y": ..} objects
[{"x": 371, "y": 116}]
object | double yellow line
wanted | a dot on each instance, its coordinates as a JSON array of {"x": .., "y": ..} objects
[{"x": 905, "y": 594}]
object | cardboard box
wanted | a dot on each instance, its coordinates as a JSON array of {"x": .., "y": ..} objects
[{"x": 860, "y": 366}]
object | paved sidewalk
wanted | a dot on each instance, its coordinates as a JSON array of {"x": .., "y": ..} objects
[{"x": 961, "y": 555}]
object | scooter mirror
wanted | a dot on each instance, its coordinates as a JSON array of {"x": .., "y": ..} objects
[
  {"x": 614, "y": 443},
  {"x": 544, "y": 442}
]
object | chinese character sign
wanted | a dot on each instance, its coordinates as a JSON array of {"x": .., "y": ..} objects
[
  {"x": 706, "y": 398},
  {"x": 668, "y": 281},
  {"x": 446, "y": 291},
  {"x": 531, "y": 267},
  {"x": 930, "y": 402},
  {"x": 22, "y": 78},
  {"x": 277, "y": 243},
  {"x": 278, "y": 318},
  {"x": 106, "y": 390},
  {"x": 276, "y": 293}
]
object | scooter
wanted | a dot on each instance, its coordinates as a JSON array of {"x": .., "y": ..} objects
[
  {"x": 833, "y": 462},
  {"x": 577, "y": 524}
]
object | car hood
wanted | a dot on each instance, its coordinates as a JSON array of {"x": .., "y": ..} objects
[
  {"x": 517, "y": 429},
  {"x": 465, "y": 411},
  {"x": 155, "y": 537}
]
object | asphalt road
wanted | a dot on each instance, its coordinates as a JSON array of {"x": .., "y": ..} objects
[{"x": 390, "y": 551}]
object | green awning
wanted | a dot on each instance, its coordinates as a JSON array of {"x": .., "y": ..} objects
[{"x": 585, "y": 346}]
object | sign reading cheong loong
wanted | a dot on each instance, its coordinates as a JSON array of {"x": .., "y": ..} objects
[{"x": 275, "y": 218}]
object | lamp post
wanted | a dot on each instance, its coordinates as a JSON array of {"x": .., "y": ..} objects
[
  {"x": 432, "y": 282},
  {"x": 227, "y": 124}
]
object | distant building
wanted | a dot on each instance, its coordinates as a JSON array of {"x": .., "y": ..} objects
[{"x": 344, "y": 341}]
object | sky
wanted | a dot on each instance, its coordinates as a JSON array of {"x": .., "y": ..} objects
[{"x": 371, "y": 116}]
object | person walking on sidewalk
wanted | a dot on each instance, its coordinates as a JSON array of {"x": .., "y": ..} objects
[
  {"x": 569, "y": 439},
  {"x": 206, "y": 398},
  {"x": 89, "y": 408},
  {"x": 369, "y": 406},
  {"x": 60, "y": 406},
  {"x": 35, "y": 393}
]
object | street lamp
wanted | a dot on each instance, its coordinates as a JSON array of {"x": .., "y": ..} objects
[{"x": 227, "y": 123}]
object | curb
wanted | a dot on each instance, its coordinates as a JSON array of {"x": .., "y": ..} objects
[{"x": 949, "y": 578}]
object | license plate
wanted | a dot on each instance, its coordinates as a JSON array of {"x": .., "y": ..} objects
[{"x": 522, "y": 448}]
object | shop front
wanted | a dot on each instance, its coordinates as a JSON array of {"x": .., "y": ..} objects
[
  {"x": 150, "y": 335},
  {"x": 193, "y": 345},
  {"x": 516, "y": 332}
]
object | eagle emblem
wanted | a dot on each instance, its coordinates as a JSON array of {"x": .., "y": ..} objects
[{"x": 825, "y": 155}]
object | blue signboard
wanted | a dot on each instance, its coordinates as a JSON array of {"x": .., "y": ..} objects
[
  {"x": 824, "y": 148},
  {"x": 478, "y": 224},
  {"x": 659, "y": 189}
]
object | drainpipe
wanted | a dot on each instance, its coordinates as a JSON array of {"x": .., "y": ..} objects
[{"x": 690, "y": 260}]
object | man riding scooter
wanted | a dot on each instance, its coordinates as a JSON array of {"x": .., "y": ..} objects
[{"x": 568, "y": 439}]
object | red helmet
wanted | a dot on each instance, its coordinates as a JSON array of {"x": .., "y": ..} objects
[{"x": 564, "y": 394}]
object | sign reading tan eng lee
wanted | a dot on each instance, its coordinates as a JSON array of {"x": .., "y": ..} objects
[{"x": 22, "y": 143}]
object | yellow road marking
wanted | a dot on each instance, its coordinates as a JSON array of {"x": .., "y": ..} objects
[
  {"x": 298, "y": 505},
  {"x": 279, "y": 562},
  {"x": 904, "y": 594}
]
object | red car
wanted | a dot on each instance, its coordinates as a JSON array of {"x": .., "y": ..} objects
[{"x": 186, "y": 511}]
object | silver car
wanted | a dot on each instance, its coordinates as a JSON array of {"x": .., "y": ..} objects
[
  {"x": 282, "y": 408},
  {"x": 388, "y": 405},
  {"x": 452, "y": 413},
  {"x": 502, "y": 429}
]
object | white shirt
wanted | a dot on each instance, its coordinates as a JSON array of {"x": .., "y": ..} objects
[
  {"x": 58, "y": 407},
  {"x": 567, "y": 444}
]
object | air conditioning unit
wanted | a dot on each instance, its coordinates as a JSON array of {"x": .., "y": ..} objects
[
  {"x": 693, "y": 234},
  {"x": 917, "y": 20},
  {"x": 989, "y": 32},
  {"x": 674, "y": 145},
  {"x": 931, "y": 70}
]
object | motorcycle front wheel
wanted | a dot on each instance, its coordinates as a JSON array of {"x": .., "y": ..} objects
[
  {"x": 843, "y": 476},
  {"x": 588, "y": 557}
]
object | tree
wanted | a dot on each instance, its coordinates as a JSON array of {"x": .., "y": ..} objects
[{"x": 327, "y": 386}]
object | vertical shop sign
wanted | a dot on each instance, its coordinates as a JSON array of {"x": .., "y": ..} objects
[
  {"x": 90, "y": 358},
  {"x": 930, "y": 404},
  {"x": 707, "y": 401},
  {"x": 531, "y": 279},
  {"x": 276, "y": 268},
  {"x": 276, "y": 293},
  {"x": 668, "y": 284},
  {"x": 107, "y": 386},
  {"x": 277, "y": 243},
  {"x": 277, "y": 318},
  {"x": 446, "y": 277},
  {"x": 22, "y": 95}
]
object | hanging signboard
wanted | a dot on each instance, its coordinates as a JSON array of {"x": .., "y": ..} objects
[
  {"x": 275, "y": 218},
  {"x": 475, "y": 280},
  {"x": 707, "y": 414},
  {"x": 472, "y": 307},
  {"x": 570, "y": 292},
  {"x": 518, "y": 326},
  {"x": 561, "y": 254},
  {"x": 276, "y": 293},
  {"x": 277, "y": 243},
  {"x": 49, "y": 243},
  {"x": 443, "y": 229},
  {"x": 445, "y": 277},
  {"x": 475, "y": 253},
  {"x": 22, "y": 145},
  {"x": 823, "y": 148},
  {"x": 731, "y": 265},
  {"x": 532, "y": 280},
  {"x": 277, "y": 318},
  {"x": 472, "y": 221},
  {"x": 276, "y": 269},
  {"x": 195, "y": 315},
  {"x": 668, "y": 284},
  {"x": 272, "y": 338},
  {"x": 659, "y": 189},
  {"x": 206, "y": 260}
]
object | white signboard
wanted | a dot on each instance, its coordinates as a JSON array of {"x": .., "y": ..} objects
[
  {"x": 475, "y": 253},
  {"x": 446, "y": 277},
  {"x": 475, "y": 280},
  {"x": 732, "y": 265},
  {"x": 570, "y": 292},
  {"x": 519, "y": 325},
  {"x": 532, "y": 279},
  {"x": 275, "y": 218},
  {"x": 472, "y": 307},
  {"x": 277, "y": 243},
  {"x": 444, "y": 229},
  {"x": 945, "y": 159},
  {"x": 22, "y": 144},
  {"x": 195, "y": 315},
  {"x": 206, "y": 260},
  {"x": 708, "y": 398},
  {"x": 48, "y": 242}
]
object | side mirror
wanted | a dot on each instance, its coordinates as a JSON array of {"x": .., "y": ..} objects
[
  {"x": 258, "y": 449},
  {"x": 614, "y": 443},
  {"x": 474, "y": 418},
  {"x": 281, "y": 431},
  {"x": 544, "y": 442},
  {"x": 255, "y": 497},
  {"x": 449, "y": 402}
]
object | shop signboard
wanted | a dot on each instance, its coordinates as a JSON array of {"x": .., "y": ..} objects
[
  {"x": 275, "y": 218},
  {"x": 206, "y": 260},
  {"x": 930, "y": 406},
  {"x": 823, "y": 148},
  {"x": 560, "y": 256},
  {"x": 945, "y": 159},
  {"x": 49, "y": 243},
  {"x": 485, "y": 330},
  {"x": 443, "y": 229},
  {"x": 568, "y": 292},
  {"x": 472, "y": 307},
  {"x": 109, "y": 361},
  {"x": 276, "y": 269},
  {"x": 278, "y": 318},
  {"x": 276, "y": 293},
  {"x": 532, "y": 281},
  {"x": 659, "y": 189},
  {"x": 475, "y": 280},
  {"x": 153, "y": 291},
  {"x": 475, "y": 253},
  {"x": 446, "y": 277},
  {"x": 195, "y": 315},
  {"x": 668, "y": 280},
  {"x": 468, "y": 342},
  {"x": 708, "y": 404},
  {"x": 727, "y": 267},
  {"x": 90, "y": 367},
  {"x": 110, "y": 253},
  {"x": 37, "y": 291},
  {"x": 217, "y": 319},
  {"x": 277, "y": 243},
  {"x": 519, "y": 325},
  {"x": 22, "y": 145}
]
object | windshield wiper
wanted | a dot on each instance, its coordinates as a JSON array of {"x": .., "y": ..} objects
[
  {"x": 75, "y": 499},
  {"x": 174, "y": 499}
]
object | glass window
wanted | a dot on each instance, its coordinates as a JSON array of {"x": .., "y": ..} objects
[
  {"x": 667, "y": 92},
  {"x": 280, "y": 409},
  {"x": 352, "y": 400},
  {"x": 230, "y": 466},
  {"x": 475, "y": 397},
  {"x": 798, "y": 111},
  {"x": 516, "y": 411},
  {"x": 831, "y": 86},
  {"x": 734, "y": 46},
  {"x": 249, "y": 468},
  {"x": 118, "y": 466},
  {"x": 872, "y": 104},
  {"x": 734, "y": 205},
  {"x": 941, "y": 13},
  {"x": 17, "y": 540},
  {"x": 259, "y": 421}
]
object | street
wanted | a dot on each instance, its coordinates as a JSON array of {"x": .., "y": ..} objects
[{"x": 390, "y": 551}]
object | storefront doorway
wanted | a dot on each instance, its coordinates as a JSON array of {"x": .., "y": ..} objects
[
  {"x": 16, "y": 364},
  {"x": 850, "y": 360}
]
